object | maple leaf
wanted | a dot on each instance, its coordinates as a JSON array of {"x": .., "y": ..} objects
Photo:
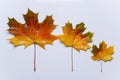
[
  {"x": 75, "y": 38},
  {"x": 32, "y": 31},
  {"x": 103, "y": 53}
]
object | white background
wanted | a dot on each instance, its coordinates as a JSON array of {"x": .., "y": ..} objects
[{"x": 100, "y": 16}]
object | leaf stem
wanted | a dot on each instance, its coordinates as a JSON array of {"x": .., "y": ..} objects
[
  {"x": 101, "y": 65},
  {"x": 34, "y": 57},
  {"x": 72, "y": 59}
]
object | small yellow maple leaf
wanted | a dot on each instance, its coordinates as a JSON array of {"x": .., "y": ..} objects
[
  {"x": 32, "y": 32},
  {"x": 75, "y": 37},
  {"x": 103, "y": 52}
]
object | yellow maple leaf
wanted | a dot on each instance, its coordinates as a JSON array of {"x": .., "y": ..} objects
[
  {"x": 103, "y": 52},
  {"x": 75, "y": 37},
  {"x": 32, "y": 31}
]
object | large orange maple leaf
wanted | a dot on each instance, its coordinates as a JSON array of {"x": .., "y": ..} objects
[
  {"x": 75, "y": 38},
  {"x": 32, "y": 31}
]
